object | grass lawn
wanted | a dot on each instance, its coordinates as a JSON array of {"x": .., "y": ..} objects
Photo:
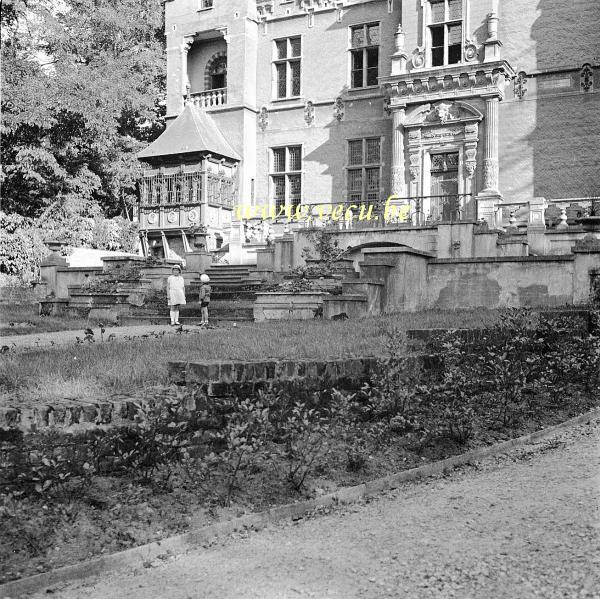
[
  {"x": 89, "y": 372},
  {"x": 23, "y": 319}
]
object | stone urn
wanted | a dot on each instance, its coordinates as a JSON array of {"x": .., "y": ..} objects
[
  {"x": 199, "y": 240},
  {"x": 591, "y": 222}
]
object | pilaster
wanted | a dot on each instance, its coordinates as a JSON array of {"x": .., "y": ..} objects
[{"x": 397, "y": 187}]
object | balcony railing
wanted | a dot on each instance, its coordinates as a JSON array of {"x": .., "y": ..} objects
[
  {"x": 566, "y": 212},
  {"x": 396, "y": 212},
  {"x": 210, "y": 98}
]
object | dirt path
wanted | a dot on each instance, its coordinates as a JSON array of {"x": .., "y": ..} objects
[{"x": 523, "y": 525}]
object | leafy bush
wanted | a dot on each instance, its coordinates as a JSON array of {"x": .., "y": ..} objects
[
  {"x": 245, "y": 435},
  {"x": 157, "y": 440},
  {"x": 21, "y": 247},
  {"x": 304, "y": 441}
]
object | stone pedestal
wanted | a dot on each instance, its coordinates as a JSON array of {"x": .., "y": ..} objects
[
  {"x": 487, "y": 208},
  {"x": 284, "y": 253},
  {"x": 537, "y": 208},
  {"x": 236, "y": 238},
  {"x": 198, "y": 261},
  {"x": 455, "y": 240}
]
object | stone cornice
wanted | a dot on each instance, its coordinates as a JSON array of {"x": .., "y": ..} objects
[{"x": 451, "y": 82}]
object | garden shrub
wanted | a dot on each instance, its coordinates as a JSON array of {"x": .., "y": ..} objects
[{"x": 21, "y": 247}]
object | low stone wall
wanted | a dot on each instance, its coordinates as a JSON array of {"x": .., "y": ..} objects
[
  {"x": 246, "y": 378},
  {"x": 215, "y": 379}
]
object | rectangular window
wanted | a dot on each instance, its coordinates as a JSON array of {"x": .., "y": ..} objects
[
  {"x": 364, "y": 169},
  {"x": 445, "y": 32},
  {"x": 204, "y": 4},
  {"x": 287, "y": 61},
  {"x": 286, "y": 176},
  {"x": 364, "y": 55}
]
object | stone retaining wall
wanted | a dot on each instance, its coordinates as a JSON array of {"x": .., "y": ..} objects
[
  {"x": 215, "y": 379},
  {"x": 246, "y": 378}
]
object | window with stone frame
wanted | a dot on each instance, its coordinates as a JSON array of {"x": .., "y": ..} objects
[
  {"x": 287, "y": 65},
  {"x": 364, "y": 169},
  {"x": 205, "y": 4},
  {"x": 445, "y": 32},
  {"x": 286, "y": 176},
  {"x": 364, "y": 55}
]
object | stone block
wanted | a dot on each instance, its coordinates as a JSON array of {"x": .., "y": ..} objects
[
  {"x": 72, "y": 415},
  {"x": 227, "y": 372},
  {"x": 56, "y": 416},
  {"x": 202, "y": 372},
  {"x": 177, "y": 372},
  {"x": 301, "y": 366},
  {"x": 270, "y": 367},
  {"x": 258, "y": 371},
  {"x": 105, "y": 413},
  {"x": 9, "y": 417}
]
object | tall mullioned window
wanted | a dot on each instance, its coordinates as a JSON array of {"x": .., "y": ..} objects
[
  {"x": 288, "y": 67},
  {"x": 286, "y": 176},
  {"x": 445, "y": 32},
  {"x": 364, "y": 52},
  {"x": 364, "y": 169}
]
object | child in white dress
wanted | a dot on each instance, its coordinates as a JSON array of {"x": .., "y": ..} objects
[{"x": 175, "y": 293}]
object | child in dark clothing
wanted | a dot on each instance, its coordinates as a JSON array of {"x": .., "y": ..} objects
[{"x": 204, "y": 298}]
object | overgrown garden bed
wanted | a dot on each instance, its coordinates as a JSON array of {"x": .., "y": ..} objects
[{"x": 192, "y": 460}]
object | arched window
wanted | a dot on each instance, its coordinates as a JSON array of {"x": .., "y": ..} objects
[{"x": 216, "y": 71}]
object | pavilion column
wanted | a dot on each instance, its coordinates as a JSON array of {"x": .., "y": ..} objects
[
  {"x": 490, "y": 161},
  {"x": 397, "y": 186},
  {"x": 185, "y": 48}
]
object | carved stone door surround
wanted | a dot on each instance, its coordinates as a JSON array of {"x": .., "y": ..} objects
[{"x": 445, "y": 126}]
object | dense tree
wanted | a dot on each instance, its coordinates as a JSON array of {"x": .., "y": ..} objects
[{"x": 83, "y": 89}]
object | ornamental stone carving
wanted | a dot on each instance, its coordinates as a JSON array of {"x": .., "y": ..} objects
[
  {"x": 470, "y": 161},
  {"x": 470, "y": 50},
  {"x": 490, "y": 173},
  {"x": 419, "y": 58},
  {"x": 586, "y": 78},
  {"x": 521, "y": 85},
  {"x": 309, "y": 113},
  {"x": 415, "y": 166},
  {"x": 397, "y": 180},
  {"x": 387, "y": 109},
  {"x": 338, "y": 109},
  {"x": 263, "y": 118}
]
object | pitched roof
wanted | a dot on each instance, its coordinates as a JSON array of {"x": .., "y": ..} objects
[{"x": 192, "y": 131}]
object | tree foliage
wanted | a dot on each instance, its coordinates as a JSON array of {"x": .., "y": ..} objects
[{"x": 83, "y": 90}]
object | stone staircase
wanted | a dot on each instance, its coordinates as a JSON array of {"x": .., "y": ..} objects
[
  {"x": 232, "y": 299},
  {"x": 231, "y": 276}
]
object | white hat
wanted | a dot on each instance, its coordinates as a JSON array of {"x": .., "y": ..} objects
[
  {"x": 204, "y": 278},
  {"x": 176, "y": 266}
]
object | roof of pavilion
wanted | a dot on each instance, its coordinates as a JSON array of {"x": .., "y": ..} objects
[{"x": 192, "y": 131}]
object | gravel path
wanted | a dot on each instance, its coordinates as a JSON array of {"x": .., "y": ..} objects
[{"x": 522, "y": 525}]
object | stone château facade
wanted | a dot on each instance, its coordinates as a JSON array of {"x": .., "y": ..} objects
[{"x": 461, "y": 109}]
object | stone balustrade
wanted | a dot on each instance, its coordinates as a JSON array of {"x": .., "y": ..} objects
[{"x": 210, "y": 98}]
